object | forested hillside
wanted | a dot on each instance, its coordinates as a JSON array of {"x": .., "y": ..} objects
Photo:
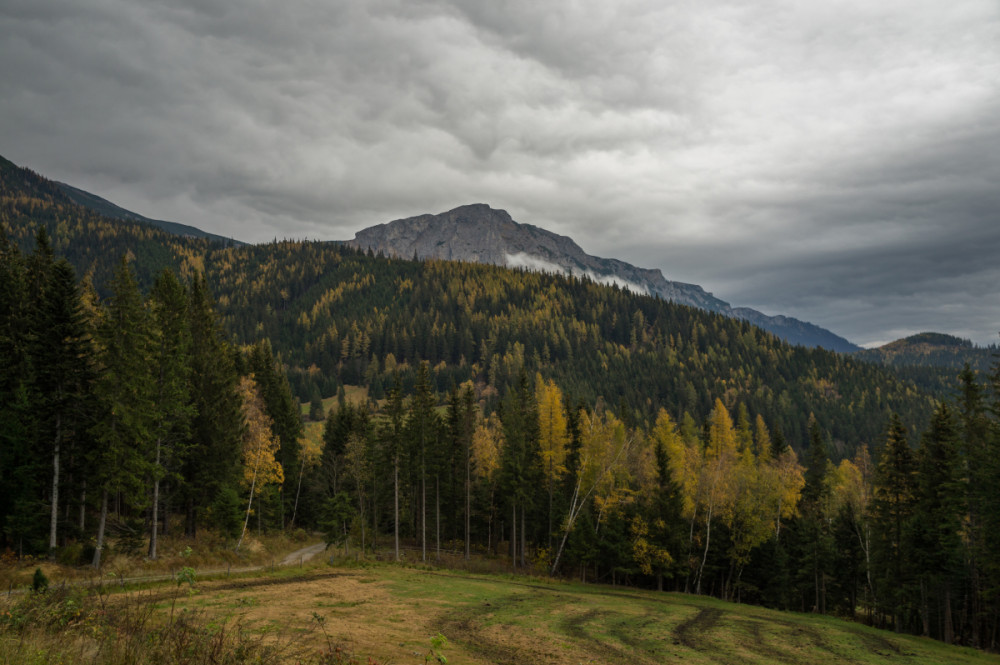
[
  {"x": 552, "y": 423},
  {"x": 337, "y": 316},
  {"x": 932, "y": 360},
  {"x": 127, "y": 408}
]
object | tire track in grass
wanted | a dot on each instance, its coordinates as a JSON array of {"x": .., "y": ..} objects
[
  {"x": 691, "y": 631},
  {"x": 468, "y": 627},
  {"x": 629, "y": 631},
  {"x": 815, "y": 637},
  {"x": 694, "y": 634},
  {"x": 760, "y": 647},
  {"x": 576, "y": 627}
]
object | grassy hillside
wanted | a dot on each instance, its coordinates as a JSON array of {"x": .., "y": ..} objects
[{"x": 390, "y": 613}]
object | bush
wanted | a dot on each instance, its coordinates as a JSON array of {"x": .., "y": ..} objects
[{"x": 39, "y": 582}]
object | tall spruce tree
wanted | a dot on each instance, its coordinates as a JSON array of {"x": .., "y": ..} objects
[
  {"x": 171, "y": 372},
  {"x": 392, "y": 435},
  {"x": 20, "y": 465},
  {"x": 212, "y": 462},
  {"x": 61, "y": 361},
  {"x": 520, "y": 462},
  {"x": 937, "y": 523},
  {"x": 123, "y": 430},
  {"x": 814, "y": 529},
  {"x": 892, "y": 508},
  {"x": 422, "y": 430}
]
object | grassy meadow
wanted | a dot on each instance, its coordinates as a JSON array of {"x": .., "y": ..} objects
[{"x": 385, "y": 613}]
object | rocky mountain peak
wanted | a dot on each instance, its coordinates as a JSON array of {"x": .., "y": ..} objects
[{"x": 482, "y": 234}]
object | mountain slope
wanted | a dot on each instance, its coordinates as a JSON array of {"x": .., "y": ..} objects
[
  {"x": 62, "y": 193},
  {"x": 481, "y": 234},
  {"x": 108, "y": 209},
  {"x": 336, "y": 316},
  {"x": 932, "y": 349}
]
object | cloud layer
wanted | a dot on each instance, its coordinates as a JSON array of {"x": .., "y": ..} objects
[{"x": 837, "y": 162}]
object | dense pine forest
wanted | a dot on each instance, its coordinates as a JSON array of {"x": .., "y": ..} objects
[
  {"x": 932, "y": 361},
  {"x": 336, "y": 316},
  {"x": 150, "y": 382}
]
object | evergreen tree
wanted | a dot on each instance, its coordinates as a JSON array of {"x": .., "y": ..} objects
[
  {"x": 60, "y": 357},
  {"x": 936, "y": 526},
  {"x": 520, "y": 462},
  {"x": 212, "y": 462},
  {"x": 461, "y": 422},
  {"x": 392, "y": 435},
  {"x": 666, "y": 525},
  {"x": 813, "y": 532},
  {"x": 892, "y": 508},
  {"x": 421, "y": 435},
  {"x": 123, "y": 430},
  {"x": 171, "y": 369},
  {"x": 21, "y": 468}
]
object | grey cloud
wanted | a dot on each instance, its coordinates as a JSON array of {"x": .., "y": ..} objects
[{"x": 831, "y": 161}]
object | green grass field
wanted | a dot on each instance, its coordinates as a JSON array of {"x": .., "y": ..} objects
[{"x": 390, "y": 612}]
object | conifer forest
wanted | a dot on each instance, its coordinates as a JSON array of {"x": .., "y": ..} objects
[{"x": 154, "y": 383}]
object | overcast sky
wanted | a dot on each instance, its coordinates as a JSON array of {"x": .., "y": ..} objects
[{"x": 836, "y": 161}]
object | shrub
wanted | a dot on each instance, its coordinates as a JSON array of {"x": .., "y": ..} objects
[{"x": 39, "y": 582}]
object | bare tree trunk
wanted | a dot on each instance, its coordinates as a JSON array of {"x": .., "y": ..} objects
[
  {"x": 949, "y": 629},
  {"x": 574, "y": 511},
  {"x": 577, "y": 502},
  {"x": 83, "y": 505},
  {"x": 100, "y": 529},
  {"x": 437, "y": 511},
  {"x": 489, "y": 525},
  {"x": 925, "y": 610},
  {"x": 551, "y": 501},
  {"x": 513, "y": 535},
  {"x": 523, "y": 537},
  {"x": 704, "y": 557},
  {"x": 395, "y": 521},
  {"x": 298, "y": 492},
  {"x": 816, "y": 577},
  {"x": 361, "y": 509},
  {"x": 246, "y": 521},
  {"x": 54, "y": 517},
  {"x": 687, "y": 577},
  {"x": 154, "y": 522},
  {"x": 468, "y": 501},
  {"x": 166, "y": 510},
  {"x": 423, "y": 513}
]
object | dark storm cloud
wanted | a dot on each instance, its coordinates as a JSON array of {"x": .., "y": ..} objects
[{"x": 832, "y": 161}]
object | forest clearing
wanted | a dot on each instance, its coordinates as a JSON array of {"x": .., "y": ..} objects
[{"x": 371, "y": 612}]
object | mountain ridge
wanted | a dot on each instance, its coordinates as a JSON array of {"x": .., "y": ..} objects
[
  {"x": 932, "y": 349},
  {"x": 102, "y": 206},
  {"x": 111, "y": 210},
  {"x": 482, "y": 234}
]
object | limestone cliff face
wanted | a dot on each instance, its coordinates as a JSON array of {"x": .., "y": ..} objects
[{"x": 482, "y": 234}]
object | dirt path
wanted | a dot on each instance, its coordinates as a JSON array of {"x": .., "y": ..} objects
[
  {"x": 295, "y": 558},
  {"x": 303, "y": 555}
]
